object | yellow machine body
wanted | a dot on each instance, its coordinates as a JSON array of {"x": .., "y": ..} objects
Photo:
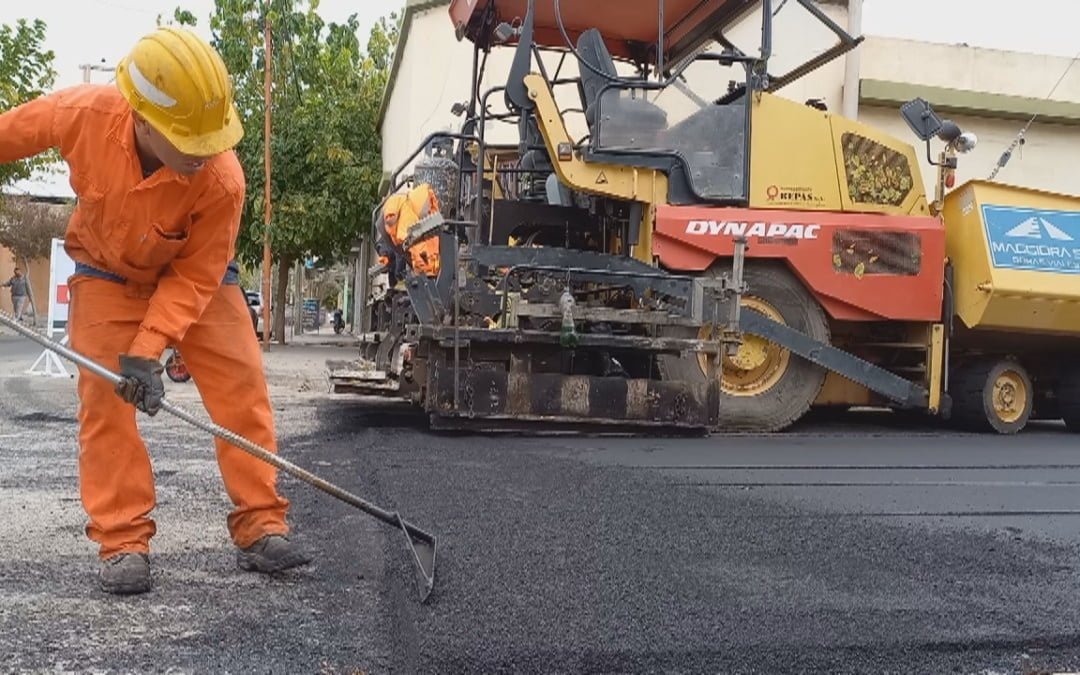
[
  {"x": 807, "y": 159},
  {"x": 1016, "y": 256}
]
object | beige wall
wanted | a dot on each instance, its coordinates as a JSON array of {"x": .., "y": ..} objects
[
  {"x": 1047, "y": 158},
  {"x": 433, "y": 73},
  {"x": 969, "y": 68},
  {"x": 1045, "y": 162}
]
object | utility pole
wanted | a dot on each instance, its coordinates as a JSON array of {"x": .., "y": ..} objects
[
  {"x": 346, "y": 313},
  {"x": 853, "y": 63},
  {"x": 267, "y": 95},
  {"x": 298, "y": 306},
  {"x": 87, "y": 68}
]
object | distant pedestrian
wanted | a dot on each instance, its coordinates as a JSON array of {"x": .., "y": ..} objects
[{"x": 19, "y": 293}]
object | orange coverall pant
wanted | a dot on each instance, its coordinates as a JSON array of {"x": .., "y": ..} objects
[{"x": 223, "y": 356}]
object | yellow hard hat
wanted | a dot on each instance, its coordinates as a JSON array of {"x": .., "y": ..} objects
[{"x": 179, "y": 84}]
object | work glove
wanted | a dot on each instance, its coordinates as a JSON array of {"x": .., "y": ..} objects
[{"x": 141, "y": 383}]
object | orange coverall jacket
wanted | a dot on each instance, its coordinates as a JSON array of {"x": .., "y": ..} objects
[
  {"x": 171, "y": 238},
  {"x": 149, "y": 237}
]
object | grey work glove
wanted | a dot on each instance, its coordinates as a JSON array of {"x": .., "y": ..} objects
[{"x": 141, "y": 384}]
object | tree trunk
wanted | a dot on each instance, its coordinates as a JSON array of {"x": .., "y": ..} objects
[{"x": 281, "y": 298}]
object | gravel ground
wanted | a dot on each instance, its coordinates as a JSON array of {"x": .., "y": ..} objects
[
  {"x": 204, "y": 614},
  {"x": 556, "y": 556}
]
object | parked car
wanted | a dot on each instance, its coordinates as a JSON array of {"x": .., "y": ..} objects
[
  {"x": 254, "y": 299},
  {"x": 255, "y": 308}
]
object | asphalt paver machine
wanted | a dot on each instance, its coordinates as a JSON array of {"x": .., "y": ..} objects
[
  {"x": 512, "y": 298},
  {"x": 726, "y": 262}
]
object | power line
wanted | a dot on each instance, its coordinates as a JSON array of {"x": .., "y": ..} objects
[{"x": 1020, "y": 137}]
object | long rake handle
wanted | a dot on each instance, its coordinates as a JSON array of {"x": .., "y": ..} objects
[{"x": 229, "y": 437}]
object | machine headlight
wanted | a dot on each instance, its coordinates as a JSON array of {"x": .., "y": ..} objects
[
  {"x": 966, "y": 142},
  {"x": 505, "y": 32}
]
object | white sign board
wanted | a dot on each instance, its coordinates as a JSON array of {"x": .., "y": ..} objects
[{"x": 61, "y": 267}]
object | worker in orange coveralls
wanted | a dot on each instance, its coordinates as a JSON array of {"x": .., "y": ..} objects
[{"x": 160, "y": 194}]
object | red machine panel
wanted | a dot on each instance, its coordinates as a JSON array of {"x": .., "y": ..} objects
[{"x": 861, "y": 267}]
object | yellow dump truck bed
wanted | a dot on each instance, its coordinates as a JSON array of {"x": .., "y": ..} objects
[{"x": 1016, "y": 256}]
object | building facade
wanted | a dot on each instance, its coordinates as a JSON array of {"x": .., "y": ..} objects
[
  {"x": 989, "y": 92},
  {"x": 36, "y": 270}
]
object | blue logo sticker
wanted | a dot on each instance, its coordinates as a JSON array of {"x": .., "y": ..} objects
[{"x": 1033, "y": 239}]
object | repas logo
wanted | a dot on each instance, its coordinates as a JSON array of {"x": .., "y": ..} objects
[{"x": 747, "y": 229}]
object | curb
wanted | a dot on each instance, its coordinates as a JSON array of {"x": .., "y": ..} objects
[{"x": 327, "y": 343}]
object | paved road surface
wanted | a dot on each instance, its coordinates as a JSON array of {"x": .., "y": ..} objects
[
  {"x": 17, "y": 354},
  {"x": 831, "y": 550},
  {"x": 853, "y": 548}
]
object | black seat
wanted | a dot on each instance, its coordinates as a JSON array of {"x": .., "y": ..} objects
[
  {"x": 627, "y": 122},
  {"x": 534, "y": 157}
]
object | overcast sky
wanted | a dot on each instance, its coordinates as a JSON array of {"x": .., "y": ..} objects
[
  {"x": 101, "y": 31},
  {"x": 96, "y": 31},
  {"x": 82, "y": 31},
  {"x": 1036, "y": 26}
]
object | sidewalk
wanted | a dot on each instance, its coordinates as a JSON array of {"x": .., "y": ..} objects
[
  {"x": 299, "y": 365},
  {"x": 322, "y": 339}
]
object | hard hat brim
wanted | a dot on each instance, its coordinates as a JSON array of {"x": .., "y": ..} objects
[{"x": 208, "y": 145}]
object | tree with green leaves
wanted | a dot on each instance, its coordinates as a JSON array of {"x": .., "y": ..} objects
[
  {"x": 325, "y": 149},
  {"x": 27, "y": 228},
  {"x": 26, "y": 72}
]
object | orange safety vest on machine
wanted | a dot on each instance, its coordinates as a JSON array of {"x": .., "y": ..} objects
[{"x": 401, "y": 213}]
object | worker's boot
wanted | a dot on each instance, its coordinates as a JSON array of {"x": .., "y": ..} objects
[
  {"x": 125, "y": 574},
  {"x": 272, "y": 553}
]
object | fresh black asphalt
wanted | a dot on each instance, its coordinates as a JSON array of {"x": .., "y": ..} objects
[{"x": 854, "y": 547}]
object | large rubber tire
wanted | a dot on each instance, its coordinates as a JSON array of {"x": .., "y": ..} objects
[
  {"x": 1068, "y": 399},
  {"x": 992, "y": 395},
  {"x": 792, "y": 391}
]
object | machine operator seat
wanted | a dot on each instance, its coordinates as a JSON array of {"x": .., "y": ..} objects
[
  {"x": 540, "y": 184},
  {"x": 630, "y": 123}
]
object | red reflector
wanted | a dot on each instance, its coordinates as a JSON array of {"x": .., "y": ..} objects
[{"x": 950, "y": 179}]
